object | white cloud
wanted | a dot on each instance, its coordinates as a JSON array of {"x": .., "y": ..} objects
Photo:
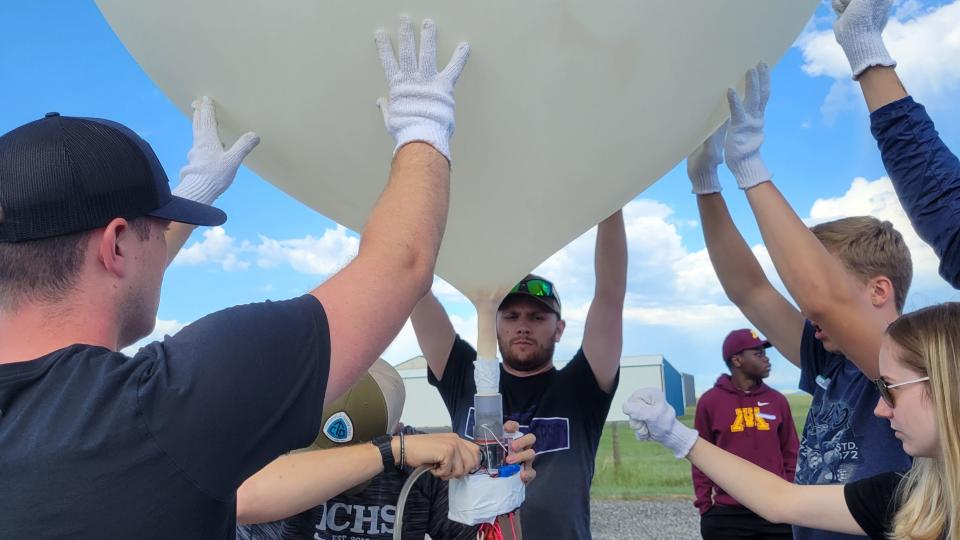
[
  {"x": 925, "y": 43},
  {"x": 309, "y": 255},
  {"x": 878, "y": 199},
  {"x": 689, "y": 316},
  {"x": 161, "y": 329},
  {"x": 216, "y": 248}
]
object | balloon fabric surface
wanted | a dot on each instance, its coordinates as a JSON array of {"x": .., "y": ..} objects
[{"x": 566, "y": 110}]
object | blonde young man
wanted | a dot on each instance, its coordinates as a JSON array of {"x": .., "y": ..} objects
[{"x": 849, "y": 278}]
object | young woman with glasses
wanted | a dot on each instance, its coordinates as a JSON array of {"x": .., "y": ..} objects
[{"x": 920, "y": 373}]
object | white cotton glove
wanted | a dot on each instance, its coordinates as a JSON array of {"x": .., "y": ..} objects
[
  {"x": 702, "y": 163},
  {"x": 420, "y": 106},
  {"x": 653, "y": 419},
  {"x": 858, "y": 30},
  {"x": 745, "y": 132},
  {"x": 210, "y": 170}
]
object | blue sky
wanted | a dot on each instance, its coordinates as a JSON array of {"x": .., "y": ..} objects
[{"x": 60, "y": 55}]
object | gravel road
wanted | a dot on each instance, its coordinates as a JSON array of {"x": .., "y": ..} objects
[{"x": 644, "y": 520}]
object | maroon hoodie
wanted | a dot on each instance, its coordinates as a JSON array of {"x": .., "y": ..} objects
[{"x": 755, "y": 425}]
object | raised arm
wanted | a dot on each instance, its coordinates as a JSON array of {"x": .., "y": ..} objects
[
  {"x": 736, "y": 266},
  {"x": 369, "y": 300},
  {"x": 924, "y": 172},
  {"x": 819, "y": 284},
  {"x": 434, "y": 332},
  {"x": 815, "y": 279},
  {"x": 772, "y": 497},
  {"x": 603, "y": 330},
  {"x": 210, "y": 168}
]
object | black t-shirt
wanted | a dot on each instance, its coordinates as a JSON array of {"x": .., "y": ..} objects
[
  {"x": 370, "y": 514},
  {"x": 96, "y": 444},
  {"x": 872, "y": 502},
  {"x": 566, "y": 410}
]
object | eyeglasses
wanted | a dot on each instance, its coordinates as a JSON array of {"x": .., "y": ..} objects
[
  {"x": 884, "y": 389},
  {"x": 535, "y": 287}
]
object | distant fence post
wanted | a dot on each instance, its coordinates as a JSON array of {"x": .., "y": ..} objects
[{"x": 615, "y": 439}]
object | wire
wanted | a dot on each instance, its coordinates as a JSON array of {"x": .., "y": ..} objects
[
  {"x": 486, "y": 427},
  {"x": 402, "y": 500}
]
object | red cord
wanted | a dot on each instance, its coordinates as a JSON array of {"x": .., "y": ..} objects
[{"x": 490, "y": 531}]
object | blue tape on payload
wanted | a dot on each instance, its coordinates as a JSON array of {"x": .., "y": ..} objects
[{"x": 509, "y": 470}]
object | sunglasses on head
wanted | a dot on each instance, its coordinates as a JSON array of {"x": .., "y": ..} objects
[
  {"x": 535, "y": 287},
  {"x": 883, "y": 388}
]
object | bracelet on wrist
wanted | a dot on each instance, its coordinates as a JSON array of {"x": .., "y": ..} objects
[{"x": 385, "y": 446}]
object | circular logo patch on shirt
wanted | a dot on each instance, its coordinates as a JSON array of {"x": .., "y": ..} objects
[{"x": 339, "y": 428}]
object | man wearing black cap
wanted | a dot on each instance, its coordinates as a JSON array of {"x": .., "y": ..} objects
[
  {"x": 95, "y": 444},
  {"x": 565, "y": 408}
]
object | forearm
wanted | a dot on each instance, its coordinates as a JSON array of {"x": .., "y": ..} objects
[
  {"x": 176, "y": 236},
  {"x": 610, "y": 260},
  {"x": 435, "y": 333},
  {"x": 297, "y": 482},
  {"x": 763, "y": 492},
  {"x": 881, "y": 86},
  {"x": 603, "y": 330},
  {"x": 736, "y": 266},
  {"x": 403, "y": 234},
  {"x": 815, "y": 279},
  {"x": 926, "y": 177}
]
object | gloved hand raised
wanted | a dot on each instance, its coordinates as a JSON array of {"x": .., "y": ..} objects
[
  {"x": 652, "y": 418},
  {"x": 210, "y": 170},
  {"x": 702, "y": 163},
  {"x": 858, "y": 30},
  {"x": 420, "y": 105},
  {"x": 745, "y": 133}
]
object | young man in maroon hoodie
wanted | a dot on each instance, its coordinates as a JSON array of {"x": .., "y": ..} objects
[{"x": 748, "y": 418}]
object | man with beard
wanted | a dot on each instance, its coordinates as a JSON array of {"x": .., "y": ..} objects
[{"x": 565, "y": 408}]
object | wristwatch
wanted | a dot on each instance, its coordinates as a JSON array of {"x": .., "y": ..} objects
[{"x": 382, "y": 443}]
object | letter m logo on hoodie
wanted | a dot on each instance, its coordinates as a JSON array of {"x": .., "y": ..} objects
[{"x": 749, "y": 417}]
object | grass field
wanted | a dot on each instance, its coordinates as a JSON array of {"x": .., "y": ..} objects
[{"x": 649, "y": 470}]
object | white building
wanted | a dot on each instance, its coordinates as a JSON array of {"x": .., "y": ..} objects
[{"x": 424, "y": 408}]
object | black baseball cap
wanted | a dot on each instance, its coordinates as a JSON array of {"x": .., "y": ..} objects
[
  {"x": 538, "y": 288},
  {"x": 61, "y": 175}
]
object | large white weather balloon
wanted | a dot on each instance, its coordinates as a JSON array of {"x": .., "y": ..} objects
[{"x": 566, "y": 110}]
